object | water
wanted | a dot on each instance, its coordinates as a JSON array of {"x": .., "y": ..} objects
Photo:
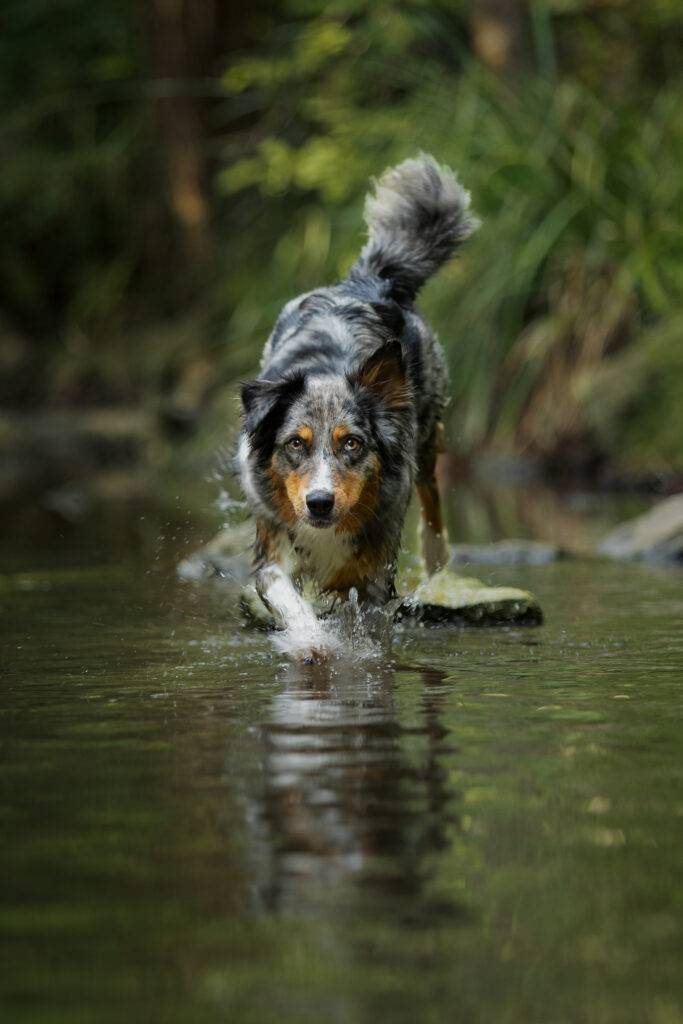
[{"x": 476, "y": 826}]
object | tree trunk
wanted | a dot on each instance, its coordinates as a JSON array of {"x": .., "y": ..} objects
[
  {"x": 180, "y": 41},
  {"x": 500, "y": 34}
]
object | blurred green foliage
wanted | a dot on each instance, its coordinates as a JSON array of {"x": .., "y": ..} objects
[{"x": 561, "y": 318}]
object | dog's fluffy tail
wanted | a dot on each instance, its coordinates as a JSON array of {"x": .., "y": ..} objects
[{"x": 417, "y": 217}]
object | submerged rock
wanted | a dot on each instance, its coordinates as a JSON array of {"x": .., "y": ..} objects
[
  {"x": 227, "y": 556},
  {"x": 656, "y": 535},
  {"x": 507, "y": 552}
]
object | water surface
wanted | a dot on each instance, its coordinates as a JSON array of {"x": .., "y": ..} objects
[{"x": 476, "y": 825}]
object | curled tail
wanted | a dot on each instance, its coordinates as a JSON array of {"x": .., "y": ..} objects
[{"x": 417, "y": 217}]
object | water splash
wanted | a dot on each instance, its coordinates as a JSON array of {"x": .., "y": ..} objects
[
  {"x": 228, "y": 505},
  {"x": 349, "y": 632}
]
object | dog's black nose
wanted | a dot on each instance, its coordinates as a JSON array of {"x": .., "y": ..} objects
[{"x": 320, "y": 503}]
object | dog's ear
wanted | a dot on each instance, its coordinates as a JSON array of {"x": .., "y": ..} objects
[
  {"x": 262, "y": 400},
  {"x": 259, "y": 398},
  {"x": 384, "y": 374}
]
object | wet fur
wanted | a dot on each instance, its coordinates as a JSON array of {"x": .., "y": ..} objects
[{"x": 356, "y": 360}]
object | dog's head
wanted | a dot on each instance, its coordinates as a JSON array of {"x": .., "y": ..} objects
[{"x": 322, "y": 448}]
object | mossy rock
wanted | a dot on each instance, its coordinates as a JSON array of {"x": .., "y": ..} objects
[
  {"x": 655, "y": 536},
  {"x": 227, "y": 556},
  {"x": 449, "y": 598},
  {"x": 446, "y": 597}
]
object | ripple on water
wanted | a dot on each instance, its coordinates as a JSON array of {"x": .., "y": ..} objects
[{"x": 196, "y": 828}]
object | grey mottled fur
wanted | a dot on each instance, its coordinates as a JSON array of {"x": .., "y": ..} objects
[{"x": 417, "y": 216}]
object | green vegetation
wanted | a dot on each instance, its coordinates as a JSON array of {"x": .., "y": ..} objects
[{"x": 166, "y": 194}]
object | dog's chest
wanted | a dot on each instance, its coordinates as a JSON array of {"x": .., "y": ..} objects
[{"x": 318, "y": 554}]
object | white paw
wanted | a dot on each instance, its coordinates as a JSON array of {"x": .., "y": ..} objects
[{"x": 307, "y": 642}]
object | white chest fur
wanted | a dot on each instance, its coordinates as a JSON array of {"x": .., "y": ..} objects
[{"x": 319, "y": 554}]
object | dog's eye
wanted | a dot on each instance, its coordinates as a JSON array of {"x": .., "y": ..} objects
[
  {"x": 352, "y": 444},
  {"x": 295, "y": 444}
]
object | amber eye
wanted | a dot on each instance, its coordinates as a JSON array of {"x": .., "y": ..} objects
[
  {"x": 352, "y": 444},
  {"x": 295, "y": 444}
]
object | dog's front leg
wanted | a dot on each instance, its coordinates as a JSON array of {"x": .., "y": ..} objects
[
  {"x": 432, "y": 533},
  {"x": 303, "y": 636},
  {"x": 281, "y": 597}
]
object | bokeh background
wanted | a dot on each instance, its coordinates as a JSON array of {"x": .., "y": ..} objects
[{"x": 174, "y": 170}]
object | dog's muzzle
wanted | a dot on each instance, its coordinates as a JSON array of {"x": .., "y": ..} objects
[{"x": 320, "y": 505}]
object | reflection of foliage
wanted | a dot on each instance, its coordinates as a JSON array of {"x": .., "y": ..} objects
[{"x": 569, "y": 291}]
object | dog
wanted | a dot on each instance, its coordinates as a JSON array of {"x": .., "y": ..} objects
[{"x": 345, "y": 418}]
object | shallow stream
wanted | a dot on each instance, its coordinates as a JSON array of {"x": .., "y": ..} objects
[{"x": 472, "y": 825}]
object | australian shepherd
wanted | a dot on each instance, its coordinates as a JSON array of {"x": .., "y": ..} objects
[{"x": 346, "y": 415}]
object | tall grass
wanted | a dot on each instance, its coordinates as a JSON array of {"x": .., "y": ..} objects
[{"x": 562, "y": 317}]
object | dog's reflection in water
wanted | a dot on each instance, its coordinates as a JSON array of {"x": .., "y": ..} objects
[{"x": 356, "y": 799}]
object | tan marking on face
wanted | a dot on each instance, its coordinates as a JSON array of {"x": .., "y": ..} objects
[
  {"x": 339, "y": 434},
  {"x": 356, "y": 495},
  {"x": 305, "y": 433},
  {"x": 296, "y": 488},
  {"x": 281, "y": 500}
]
